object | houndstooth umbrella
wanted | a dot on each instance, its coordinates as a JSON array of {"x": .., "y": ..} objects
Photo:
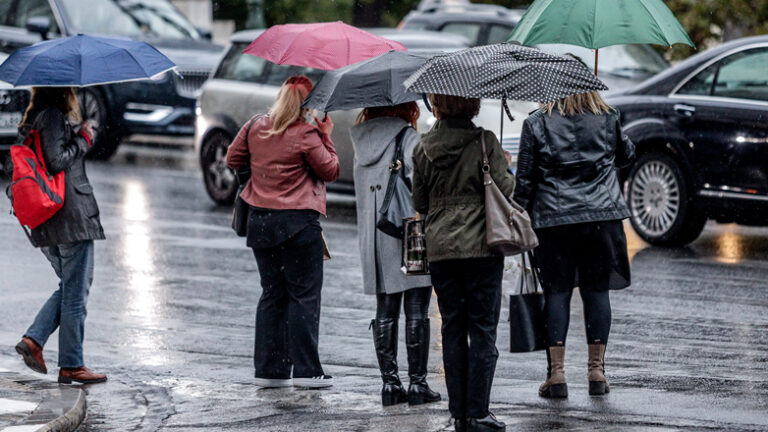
[{"x": 504, "y": 71}]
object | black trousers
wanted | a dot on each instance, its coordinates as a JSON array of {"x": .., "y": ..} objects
[
  {"x": 288, "y": 314},
  {"x": 469, "y": 298},
  {"x": 416, "y": 304}
]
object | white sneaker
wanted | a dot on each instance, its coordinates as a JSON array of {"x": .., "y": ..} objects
[
  {"x": 273, "y": 382},
  {"x": 321, "y": 381}
]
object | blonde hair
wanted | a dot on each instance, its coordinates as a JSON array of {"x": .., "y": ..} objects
[
  {"x": 287, "y": 108},
  {"x": 579, "y": 104},
  {"x": 63, "y": 98}
]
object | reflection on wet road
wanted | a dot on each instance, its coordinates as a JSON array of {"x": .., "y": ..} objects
[{"x": 172, "y": 307}]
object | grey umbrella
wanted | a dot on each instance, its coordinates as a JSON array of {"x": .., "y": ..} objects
[
  {"x": 373, "y": 82},
  {"x": 504, "y": 71}
]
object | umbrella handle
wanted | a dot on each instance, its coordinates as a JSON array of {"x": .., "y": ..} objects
[{"x": 426, "y": 102}]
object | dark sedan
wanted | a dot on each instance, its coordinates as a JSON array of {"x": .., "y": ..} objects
[{"x": 701, "y": 130}]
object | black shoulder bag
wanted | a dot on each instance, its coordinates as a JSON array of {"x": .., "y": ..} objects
[
  {"x": 397, "y": 203},
  {"x": 240, "y": 211}
]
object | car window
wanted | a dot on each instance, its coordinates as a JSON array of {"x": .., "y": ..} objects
[
  {"x": 237, "y": 66},
  {"x": 314, "y": 75},
  {"x": 744, "y": 75},
  {"x": 499, "y": 33},
  {"x": 628, "y": 61},
  {"x": 701, "y": 84},
  {"x": 471, "y": 31},
  {"x": 129, "y": 18},
  {"x": 278, "y": 74},
  {"x": 27, "y": 9}
]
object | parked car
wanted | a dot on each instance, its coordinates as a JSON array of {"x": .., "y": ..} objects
[
  {"x": 155, "y": 112},
  {"x": 620, "y": 66},
  {"x": 244, "y": 85},
  {"x": 13, "y": 103},
  {"x": 701, "y": 130}
]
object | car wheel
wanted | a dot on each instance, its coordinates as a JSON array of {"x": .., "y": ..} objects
[
  {"x": 663, "y": 212},
  {"x": 219, "y": 180},
  {"x": 105, "y": 138}
]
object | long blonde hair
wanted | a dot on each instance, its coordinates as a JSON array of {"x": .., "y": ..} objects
[
  {"x": 63, "y": 98},
  {"x": 287, "y": 108},
  {"x": 579, "y": 104}
]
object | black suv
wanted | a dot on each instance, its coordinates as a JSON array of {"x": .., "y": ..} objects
[
  {"x": 701, "y": 130},
  {"x": 481, "y": 24},
  {"x": 159, "y": 112}
]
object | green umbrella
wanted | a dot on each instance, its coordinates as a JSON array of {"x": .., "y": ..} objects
[{"x": 596, "y": 24}]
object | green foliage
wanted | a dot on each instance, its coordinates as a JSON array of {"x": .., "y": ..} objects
[
  {"x": 712, "y": 21},
  {"x": 303, "y": 11}
]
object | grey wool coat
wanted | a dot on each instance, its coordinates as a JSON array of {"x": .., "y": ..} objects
[{"x": 380, "y": 254}]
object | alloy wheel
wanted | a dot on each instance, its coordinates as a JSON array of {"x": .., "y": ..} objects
[
  {"x": 654, "y": 197},
  {"x": 219, "y": 178}
]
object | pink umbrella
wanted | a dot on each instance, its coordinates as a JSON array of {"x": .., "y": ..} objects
[{"x": 327, "y": 46}]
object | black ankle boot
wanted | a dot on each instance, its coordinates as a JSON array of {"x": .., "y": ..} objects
[
  {"x": 385, "y": 342},
  {"x": 417, "y": 341}
]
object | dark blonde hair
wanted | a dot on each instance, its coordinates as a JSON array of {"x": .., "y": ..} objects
[
  {"x": 287, "y": 108},
  {"x": 444, "y": 106},
  {"x": 579, "y": 104},
  {"x": 63, "y": 98},
  {"x": 408, "y": 111}
]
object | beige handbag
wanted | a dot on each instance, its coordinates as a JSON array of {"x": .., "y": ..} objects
[{"x": 508, "y": 226}]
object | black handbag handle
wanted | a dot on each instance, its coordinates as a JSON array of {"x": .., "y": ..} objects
[
  {"x": 534, "y": 271},
  {"x": 395, "y": 168}
]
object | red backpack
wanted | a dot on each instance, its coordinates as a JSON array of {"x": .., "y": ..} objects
[{"x": 37, "y": 195}]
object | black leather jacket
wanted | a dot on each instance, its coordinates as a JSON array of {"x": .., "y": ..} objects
[
  {"x": 566, "y": 168},
  {"x": 63, "y": 150}
]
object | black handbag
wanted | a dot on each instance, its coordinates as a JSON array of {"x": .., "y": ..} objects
[
  {"x": 397, "y": 204},
  {"x": 240, "y": 210},
  {"x": 527, "y": 316}
]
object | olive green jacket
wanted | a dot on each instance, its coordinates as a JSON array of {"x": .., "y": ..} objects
[{"x": 448, "y": 187}]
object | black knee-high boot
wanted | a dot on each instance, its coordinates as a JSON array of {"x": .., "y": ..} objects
[
  {"x": 417, "y": 341},
  {"x": 385, "y": 341}
]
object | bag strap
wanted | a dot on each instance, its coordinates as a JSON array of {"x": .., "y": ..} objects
[
  {"x": 395, "y": 168},
  {"x": 486, "y": 164},
  {"x": 534, "y": 271},
  {"x": 242, "y": 172}
]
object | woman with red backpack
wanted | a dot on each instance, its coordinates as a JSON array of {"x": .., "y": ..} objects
[{"x": 66, "y": 238}]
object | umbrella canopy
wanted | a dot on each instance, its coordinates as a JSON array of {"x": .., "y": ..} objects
[
  {"x": 596, "y": 24},
  {"x": 373, "y": 82},
  {"x": 325, "y": 46},
  {"x": 81, "y": 61},
  {"x": 504, "y": 71}
]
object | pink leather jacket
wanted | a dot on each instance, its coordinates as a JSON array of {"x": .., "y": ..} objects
[{"x": 288, "y": 171}]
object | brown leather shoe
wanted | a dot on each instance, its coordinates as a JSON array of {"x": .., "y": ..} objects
[
  {"x": 33, "y": 355},
  {"x": 83, "y": 375},
  {"x": 555, "y": 386}
]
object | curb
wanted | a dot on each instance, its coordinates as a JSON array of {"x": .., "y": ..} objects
[{"x": 71, "y": 419}]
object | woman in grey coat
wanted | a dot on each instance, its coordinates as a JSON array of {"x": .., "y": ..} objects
[{"x": 375, "y": 137}]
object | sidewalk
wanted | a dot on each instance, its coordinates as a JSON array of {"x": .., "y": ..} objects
[{"x": 30, "y": 404}]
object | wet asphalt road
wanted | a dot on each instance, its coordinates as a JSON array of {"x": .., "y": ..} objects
[{"x": 171, "y": 321}]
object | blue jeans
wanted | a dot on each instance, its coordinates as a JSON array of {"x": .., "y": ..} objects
[{"x": 65, "y": 309}]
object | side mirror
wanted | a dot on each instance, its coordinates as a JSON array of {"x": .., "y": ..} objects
[
  {"x": 40, "y": 25},
  {"x": 204, "y": 33}
]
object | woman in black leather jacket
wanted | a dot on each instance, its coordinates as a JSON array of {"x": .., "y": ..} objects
[{"x": 567, "y": 180}]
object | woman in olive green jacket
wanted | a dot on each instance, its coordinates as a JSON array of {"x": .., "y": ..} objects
[{"x": 448, "y": 188}]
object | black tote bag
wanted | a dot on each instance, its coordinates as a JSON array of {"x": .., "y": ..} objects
[
  {"x": 397, "y": 204},
  {"x": 527, "y": 319}
]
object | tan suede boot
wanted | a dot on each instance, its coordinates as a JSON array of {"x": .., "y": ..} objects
[
  {"x": 555, "y": 386},
  {"x": 598, "y": 384}
]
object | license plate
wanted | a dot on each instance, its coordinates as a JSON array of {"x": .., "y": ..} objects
[{"x": 10, "y": 120}]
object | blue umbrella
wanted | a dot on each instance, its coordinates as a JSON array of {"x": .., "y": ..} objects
[{"x": 81, "y": 61}]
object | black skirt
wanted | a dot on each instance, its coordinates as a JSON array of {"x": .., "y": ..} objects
[{"x": 592, "y": 256}]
